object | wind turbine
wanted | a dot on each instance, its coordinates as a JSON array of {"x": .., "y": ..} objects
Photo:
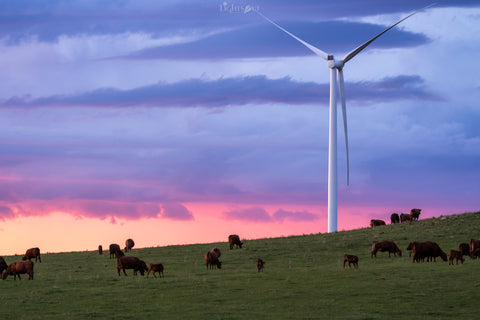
[{"x": 336, "y": 67}]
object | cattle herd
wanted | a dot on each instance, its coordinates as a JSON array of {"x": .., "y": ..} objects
[
  {"x": 25, "y": 266},
  {"x": 421, "y": 249}
]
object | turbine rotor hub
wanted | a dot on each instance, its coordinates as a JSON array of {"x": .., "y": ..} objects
[{"x": 334, "y": 64}]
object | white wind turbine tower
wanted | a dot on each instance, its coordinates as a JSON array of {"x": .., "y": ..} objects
[{"x": 336, "y": 66}]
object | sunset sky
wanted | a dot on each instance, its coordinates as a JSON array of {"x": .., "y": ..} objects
[{"x": 174, "y": 122}]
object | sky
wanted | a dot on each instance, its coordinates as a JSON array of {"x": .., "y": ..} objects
[{"x": 178, "y": 122}]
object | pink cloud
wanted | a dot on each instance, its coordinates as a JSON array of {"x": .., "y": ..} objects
[{"x": 176, "y": 211}]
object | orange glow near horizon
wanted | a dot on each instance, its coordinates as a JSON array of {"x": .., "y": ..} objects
[{"x": 63, "y": 232}]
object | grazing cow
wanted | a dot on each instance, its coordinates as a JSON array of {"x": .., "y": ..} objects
[
  {"x": 217, "y": 251},
  {"x": 464, "y": 249},
  {"x": 455, "y": 254},
  {"x": 414, "y": 214},
  {"x": 100, "y": 249},
  {"x": 119, "y": 253},
  {"x": 474, "y": 244},
  {"x": 131, "y": 263},
  {"x": 405, "y": 217},
  {"x": 476, "y": 253},
  {"x": 383, "y": 246},
  {"x": 260, "y": 264},
  {"x": 394, "y": 218},
  {"x": 32, "y": 253},
  {"x": 211, "y": 259},
  {"x": 156, "y": 267},
  {"x": 129, "y": 245},
  {"x": 17, "y": 268},
  {"x": 113, "y": 248},
  {"x": 350, "y": 259},
  {"x": 376, "y": 223},
  {"x": 410, "y": 248},
  {"x": 234, "y": 239},
  {"x": 427, "y": 249},
  {"x": 3, "y": 265}
]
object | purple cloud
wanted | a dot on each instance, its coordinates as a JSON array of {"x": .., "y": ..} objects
[
  {"x": 176, "y": 211},
  {"x": 233, "y": 91},
  {"x": 254, "y": 214},
  {"x": 6, "y": 213},
  {"x": 281, "y": 215}
]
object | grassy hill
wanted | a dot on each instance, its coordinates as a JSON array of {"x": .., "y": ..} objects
[{"x": 303, "y": 279}]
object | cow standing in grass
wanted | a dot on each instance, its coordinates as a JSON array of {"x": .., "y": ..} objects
[
  {"x": 17, "y": 268},
  {"x": 211, "y": 260},
  {"x": 131, "y": 263},
  {"x": 233, "y": 240},
  {"x": 260, "y": 264},
  {"x": 32, "y": 253},
  {"x": 113, "y": 249},
  {"x": 394, "y": 218},
  {"x": 383, "y": 246},
  {"x": 3, "y": 265},
  {"x": 155, "y": 267},
  {"x": 376, "y": 223},
  {"x": 427, "y": 249},
  {"x": 129, "y": 245}
]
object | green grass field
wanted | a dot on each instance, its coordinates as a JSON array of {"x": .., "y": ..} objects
[{"x": 303, "y": 279}]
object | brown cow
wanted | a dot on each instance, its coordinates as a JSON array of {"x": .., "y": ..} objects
[
  {"x": 464, "y": 249},
  {"x": 394, "y": 218},
  {"x": 234, "y": 239},
  {"x": 474, "y": 244},
  {"x": 129, "y": 245},
  {"x": 113, "y": 248},
  {"x": 156, "y": 267},
  {"x": 32, "y": 253},
  {"x": 131, "y": 263},
  {"x": 3, "y": 265},
  {"x": 217, "y": 251},
  {"x": 427, "y": 249},
  {"x": 350, "y": 259},
  {"x": 376, "y": 223},
  {"x": 100, "y": 249},
  {"x": 414, "y": 214},
  {"x": 383, "y": 246},
  {"x": 455, "y": 254},
  {"x": 260, "y": 264},
  {"x": 211, "y": 259},
  {"x": 476, "y": 253},
  {"x": 405, "y": 217},
  {"x": 17, "y": 268}
]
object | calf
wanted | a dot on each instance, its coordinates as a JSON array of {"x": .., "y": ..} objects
[
  {"x": 156, "y": 267},
  {"x": 383, "y": 246},
  {"x": 131, "y": 263},
  {"x": 32, "y": 253},
  {"x": 405, "y": 217},
  {"x": 100, "y": 249},
  {"x": 350, "y": 259},
  {"x": 260, "y": 264},
  {"x": 211, "y": 260},
  {"x": 455, "y": 254},
  {"x": 17, "y": 268}
]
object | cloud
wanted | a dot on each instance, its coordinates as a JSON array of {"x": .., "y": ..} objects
[
  {"x": 233, "y": 91},
  {"x": 6, "y": 213},
  {"x": 253, "y": 214},
  {"x": 264, "y": 40},
  {"x": 176, "y": 211},
  {"x": 258, "y": 214},
  {"x": 281, "y": 215}
]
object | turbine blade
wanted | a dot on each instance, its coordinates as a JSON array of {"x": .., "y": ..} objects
[
  {"x": 315, "y": 50},
  {"x": 341, "y": 88},
  {"x": 357, "y": 50}
]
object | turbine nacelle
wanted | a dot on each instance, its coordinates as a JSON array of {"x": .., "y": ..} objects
[{"x": 334, "y": 64}]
